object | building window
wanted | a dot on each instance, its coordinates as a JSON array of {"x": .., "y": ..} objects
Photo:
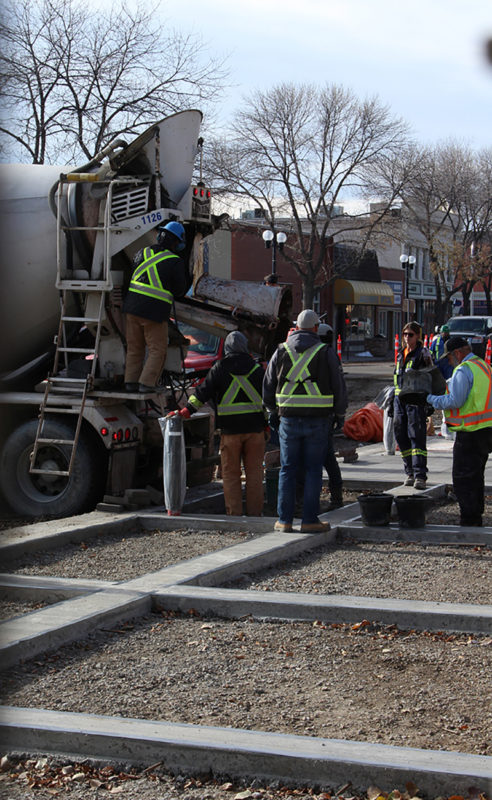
[
  {"x": 383, "y": 323},
  {"x": 316, "y": 302}
]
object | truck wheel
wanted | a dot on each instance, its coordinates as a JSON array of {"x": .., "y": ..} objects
[{"x": 34, "y": 495}]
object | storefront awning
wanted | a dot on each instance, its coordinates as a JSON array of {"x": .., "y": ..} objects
[{"x": 362, "y": 293}]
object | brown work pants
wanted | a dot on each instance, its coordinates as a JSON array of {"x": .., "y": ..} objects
[
  {"x": 250, "y": 448},
  {"x": 140, "y": 334}
]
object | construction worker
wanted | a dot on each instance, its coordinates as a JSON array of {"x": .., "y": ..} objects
[
  {"x": 234, "y": 385},
  {"x": 159, "y": 276},
  {"x": 410, "y": 420},
  {"x": 467, "y": 405},
  {"x": 437, "y": 350},
  {"x": 303, "y": 385}
]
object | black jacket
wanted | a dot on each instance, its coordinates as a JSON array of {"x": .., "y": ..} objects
[
  {"x": 174, "y": 277},
  {"x": 325, "y": 369},
  {"x": 217, "y": 383}
]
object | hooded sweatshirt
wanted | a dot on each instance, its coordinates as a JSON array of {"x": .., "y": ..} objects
[
  {"x": 325, "y": 368},
  {"x": 236, "y": 362}
]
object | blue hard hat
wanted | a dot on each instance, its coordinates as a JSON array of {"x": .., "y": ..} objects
[{"x": 176, "y": 229}]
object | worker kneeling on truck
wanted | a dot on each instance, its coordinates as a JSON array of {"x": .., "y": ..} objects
[
  {"x": 234, "y": 385},
  {"x": 159, "y": 276}
]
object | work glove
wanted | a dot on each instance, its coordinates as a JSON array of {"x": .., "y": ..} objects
[
  {"x": 274, "y": 420},
  {"x": 338, "y": 423},
  {"x": 183, "y": 412}
]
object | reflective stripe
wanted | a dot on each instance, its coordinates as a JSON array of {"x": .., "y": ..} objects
[
  {"x": 299, "y": 375},
  {"x": 476, "y": 411},
  {"x": 148, "y": 267},
  {"x": 227, "y": 405},
  {"x": 413, "y": 452},
  {"x": 195, "y": 402},
  {"x": 398, "y": 372}
]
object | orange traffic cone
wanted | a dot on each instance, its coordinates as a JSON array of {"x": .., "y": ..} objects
[
  {"x": 488, "y": 352},
  {"x": 397, "y": 346}
]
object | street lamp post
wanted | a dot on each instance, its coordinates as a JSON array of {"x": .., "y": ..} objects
[
  {"x": 274, "y": 241},
  {"x": 408, "y": 263}
]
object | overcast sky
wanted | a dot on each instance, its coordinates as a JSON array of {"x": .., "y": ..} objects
[{"x": 425, "y": 58}]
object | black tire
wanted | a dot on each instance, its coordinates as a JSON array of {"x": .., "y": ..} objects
[{"x": 34, "y": 495}]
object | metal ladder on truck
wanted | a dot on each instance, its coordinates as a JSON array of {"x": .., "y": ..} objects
[{"x": 64, "y": 395}]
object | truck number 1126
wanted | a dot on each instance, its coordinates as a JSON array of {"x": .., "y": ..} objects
[{"x": 156, "y": 216}]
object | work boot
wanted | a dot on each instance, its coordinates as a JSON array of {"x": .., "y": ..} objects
[
  {"x": 409, "y": 481},
  {"x": 315, "y": 527},
  {"x": 420, "y": 483},
  {"x": 336, "y": 499},
  {"x": 284, "y": 527},
  {"x": 131, "y": 387}
]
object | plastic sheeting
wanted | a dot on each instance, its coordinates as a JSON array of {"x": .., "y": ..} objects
[
  {"x": 173, "y": 464},
  {"x": 366, "y": 425}
]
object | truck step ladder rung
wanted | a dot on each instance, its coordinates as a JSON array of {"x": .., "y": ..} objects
[
  {"x": 49, "y": 472},
  {"x": 85, "y": 350},
  {"x": 61, "y": 380},
  {"x": 60, "y": 410},
  {"x": 80, "y": 319},
  {"x": 55, "y": 441}
]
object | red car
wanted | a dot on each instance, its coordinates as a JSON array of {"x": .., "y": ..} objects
[{"x": 203, "y": 351}]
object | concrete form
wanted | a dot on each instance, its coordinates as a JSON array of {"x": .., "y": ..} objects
[{"x": 85, "y": 605}]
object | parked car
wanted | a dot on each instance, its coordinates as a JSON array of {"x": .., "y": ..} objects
[
  {"x": 203, "y": 351},
  {"x": 478, "y": 330}
]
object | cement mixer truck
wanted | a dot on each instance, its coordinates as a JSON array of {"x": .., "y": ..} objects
[{"x": 69, "y": 433}]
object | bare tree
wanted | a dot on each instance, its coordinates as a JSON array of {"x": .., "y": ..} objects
[
  {"x": 293, "y": 150},
  {"x": 447, "y": 198},
  {"x": 72, "y": 81}
]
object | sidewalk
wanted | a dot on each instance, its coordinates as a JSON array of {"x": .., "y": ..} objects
[{"x": 374, "y": 469}]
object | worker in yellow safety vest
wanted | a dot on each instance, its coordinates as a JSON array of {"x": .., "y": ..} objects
[
  {"x": 467, "y": 405},
  {"x": 304, "y": 387},
  {"x": 159, "y": 276},
  {"x": 234, "y": 385}
]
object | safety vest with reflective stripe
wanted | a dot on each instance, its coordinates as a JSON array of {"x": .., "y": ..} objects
[
  {"x": 229, "y": 405},
  {"x": 152, "y": 287},
  {"x": 476, "y": 411},
  {"x": 299, "y": 377},
  {"x": 398, "y": 371}
]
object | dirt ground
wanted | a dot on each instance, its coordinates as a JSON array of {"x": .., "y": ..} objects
[{"x": 360, "y": 682}]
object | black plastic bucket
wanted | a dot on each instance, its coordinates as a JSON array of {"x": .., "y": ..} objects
[
  {"x": 411, "y": 510},
  {"x": 375, "y": 509}
]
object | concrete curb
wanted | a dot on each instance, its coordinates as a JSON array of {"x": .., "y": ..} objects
[
  {"x": 31, "y": 634},
  {"x": 405, "y": 614},
  {"x": 193, "y": 749}
]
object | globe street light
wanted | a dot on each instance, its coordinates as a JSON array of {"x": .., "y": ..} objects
[
  {"x": 274, "y": 241},
  {"x": 408, "y": 263}
]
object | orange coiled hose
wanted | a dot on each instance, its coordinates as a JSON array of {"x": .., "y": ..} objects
[{"x": 366, "y": 425}]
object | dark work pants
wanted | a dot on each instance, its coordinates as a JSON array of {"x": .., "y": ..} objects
[
  {"x": 470, "y": 453},
  {"x": 331, "y": 465},
  {"x": 411, "y": 435}
]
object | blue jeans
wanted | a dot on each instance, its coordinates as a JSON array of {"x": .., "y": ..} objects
[{"x": 302, "y": 440}]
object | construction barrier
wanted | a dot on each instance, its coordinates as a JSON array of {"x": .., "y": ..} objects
[
  {"x": 339, "y": 347},
  {"x": 366, "y": 425}
]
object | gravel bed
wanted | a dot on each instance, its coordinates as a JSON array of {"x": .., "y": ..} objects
[
  {"x": 14, "y": 608},
  {"x": 400, "y": 570},
  {"x": 120, "y": 558},
  {"x": 353, "y": 682}
]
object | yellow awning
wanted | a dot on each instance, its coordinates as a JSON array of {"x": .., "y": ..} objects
[{"x": 363, "y": 293}]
